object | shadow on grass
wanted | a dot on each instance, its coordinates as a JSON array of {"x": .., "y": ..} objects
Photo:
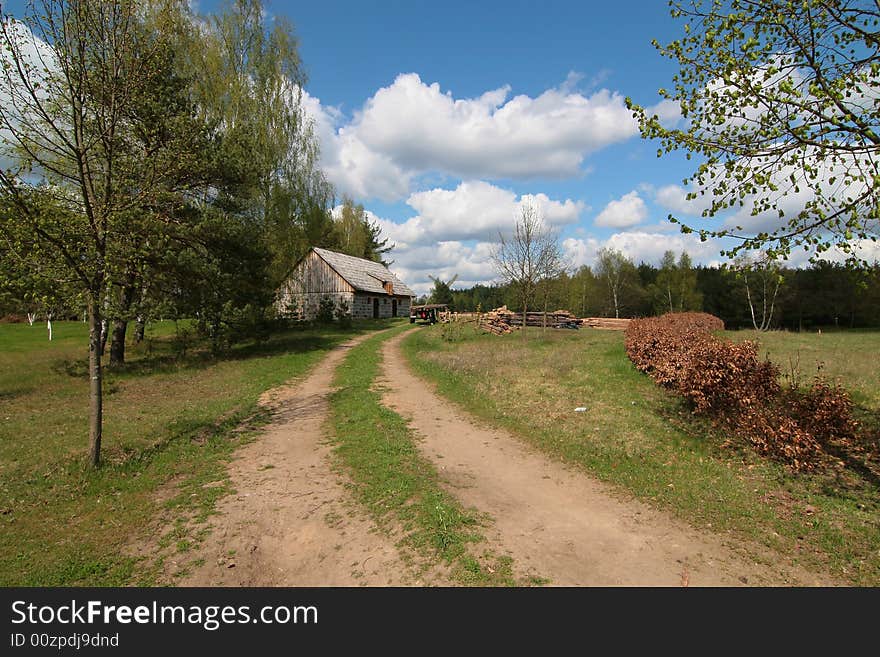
[
  {"x": 863, "y": 455},
  {"x": 8, "y": 395},
  {"x": 161, "y": 358}
]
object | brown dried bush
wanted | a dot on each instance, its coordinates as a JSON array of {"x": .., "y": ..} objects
[
  {"x": 773, "y": 433},
  {"x": 728, "y": 381},
  {"x": 826, "y": 412}
]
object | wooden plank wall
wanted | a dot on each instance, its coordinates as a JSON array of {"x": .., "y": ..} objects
[
  {"x": 311, "y": 279},
  {"x": 314, "y": 279},
  {"x": 315, "y": 276}
]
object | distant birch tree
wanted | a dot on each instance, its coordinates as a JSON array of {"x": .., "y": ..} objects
[
  {"x": 762, "y": 277},
  {"x": 618, "y": 273},
  {"x": 527, "y": 257}
]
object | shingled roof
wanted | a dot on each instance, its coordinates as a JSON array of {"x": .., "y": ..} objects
[{"x": 363, "y": 275}]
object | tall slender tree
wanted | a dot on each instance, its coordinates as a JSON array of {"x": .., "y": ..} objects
[
  {"x": 675, "y": 289},
  {"x": 75, "y": 78},
  {"x": 762, "y": 277},
  {"x": 620, "y": 277}
]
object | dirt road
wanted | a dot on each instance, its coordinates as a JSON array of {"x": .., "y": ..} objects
[
  {"x": 291, "y": 522},
  {"x": 557, "y": 522}
]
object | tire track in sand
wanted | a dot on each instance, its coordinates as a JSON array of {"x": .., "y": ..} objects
[
  {"x": 559, "y": 522},
  {"x": 291, "y": 521}
]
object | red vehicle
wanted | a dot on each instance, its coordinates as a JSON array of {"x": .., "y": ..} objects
[{"x": 429, "y": 313}]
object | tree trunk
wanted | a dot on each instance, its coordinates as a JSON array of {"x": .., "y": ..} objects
[
  {"x": 95, "y": 387},
  {"x": 102, "y": 338},
  {"x": 584, "y": 300},
  {"x": 544, "y": 325},
  {"x": 139, "y": 329},
  {"x": 751, "y": 305},
  {"x": 215, "y": 337},
  {"x": 117, "y": 344}
]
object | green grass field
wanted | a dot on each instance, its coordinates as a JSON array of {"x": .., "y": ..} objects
[
  {"x": 173, "y": 420},
  {"x": 640, "y": 438},
  {"x": 168, "y": 430}
]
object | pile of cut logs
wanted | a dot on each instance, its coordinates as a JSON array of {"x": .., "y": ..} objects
[
  {"x": 556, "y": 319},
  {"x": 502, "y": 320},
  {"x": 610, "y": 323},
  {"x": 491, "y": 323}
]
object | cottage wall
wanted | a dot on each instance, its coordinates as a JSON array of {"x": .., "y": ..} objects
[
  {"x": 313, "y": 279},
  {"x": 306, "y": 306},
  {"x": 362, "y": 307},
  {"x": 403, "y": 304}
]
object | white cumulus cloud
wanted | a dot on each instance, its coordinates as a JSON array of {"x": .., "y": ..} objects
[
  {"x": 628, "y": 210},
  {"x": 410, "y": 127},
  {"x": 475, "y": 210},
  {"x": 472, "y": 264},
  {"x": 642, "y": 246}
]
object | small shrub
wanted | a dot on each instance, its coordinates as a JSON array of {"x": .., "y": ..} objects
[
  {"x": 326, "y": 310},
  {"x": 343, "y": 314},
  {"x": 453, "y": 331},
  {"x": 182, "y": 340}
]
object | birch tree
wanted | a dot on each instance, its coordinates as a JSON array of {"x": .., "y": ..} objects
[
  {"x": 676, "y": 286},
  {"x": 762, "y": 277},
  {"x": 779, "y": 101},
  {"x": 618, "y": 273},
  {"x": 528, "y": 256}
]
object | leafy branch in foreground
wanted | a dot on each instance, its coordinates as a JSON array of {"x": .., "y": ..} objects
[{"x": 781, "y": 100}]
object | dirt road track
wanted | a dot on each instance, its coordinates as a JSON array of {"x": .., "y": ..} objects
[
  {"x": 558, "y": 522},
  {"x": 291, "y": 523}
]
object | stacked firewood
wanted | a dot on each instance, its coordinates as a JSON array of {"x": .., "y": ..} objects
[
  {"x": 556, "y": 319},
  {"x": 495, "y": 325},
  {"x": 489, "y": 322},
  {"x": 501, "y": 321},
  {"x": 609, "y": 323}
]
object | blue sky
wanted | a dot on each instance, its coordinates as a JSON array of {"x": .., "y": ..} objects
[
  {"x": 442, "y": 119},
  {"x": 553, "y": 127}
]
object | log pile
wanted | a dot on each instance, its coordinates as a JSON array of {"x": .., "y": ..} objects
[
  {"x": 489, "y": 322},
  {"x": 493, "y": 324},
  {"x": 501, "y": 321},
  {"x": 556, "y": 319},
  {"x": 609, "y": 323}
]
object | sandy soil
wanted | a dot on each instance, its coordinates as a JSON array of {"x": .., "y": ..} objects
[
  {"x": 560, "y": 523},
  {"x": 291, "y": 522}
]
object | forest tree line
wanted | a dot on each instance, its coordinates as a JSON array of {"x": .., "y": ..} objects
[{"x": 823, "y": 295}]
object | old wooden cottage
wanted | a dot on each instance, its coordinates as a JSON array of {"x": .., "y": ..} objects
[{"x": 354, "y": 286}]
